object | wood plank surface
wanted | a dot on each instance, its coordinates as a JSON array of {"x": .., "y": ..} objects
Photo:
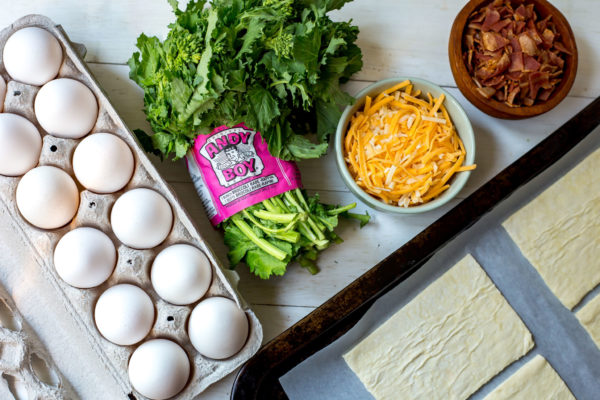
[{"x": 398, "y": 38}]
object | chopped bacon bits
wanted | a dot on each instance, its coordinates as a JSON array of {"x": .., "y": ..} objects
[{"x": 512, "y": 55}]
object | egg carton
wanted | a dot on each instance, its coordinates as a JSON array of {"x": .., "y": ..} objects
[
  {"x": 133, "y": 266},
  {"x": 27, "y": 369}
]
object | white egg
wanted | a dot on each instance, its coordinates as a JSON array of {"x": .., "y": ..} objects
[
  {"x": 47, "y": 197},
  {"x": 66, "y": 108},
  {"x": 159, "y": 369},
  {"x": 20, "y": 145},
  {"x": 2, "y": 93},
  {"x": 103, "y": 163},
  {"x": 181, "y": 274},
  {"x": 85, "y": 257},
  {"x": 124, "y": 314},
  {"x": 218, "y": 328},
  {"x": 32, "y": 55},
  {"x": 141, "y": 218}
]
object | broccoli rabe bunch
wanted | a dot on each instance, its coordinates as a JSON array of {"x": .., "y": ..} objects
[
  {"x": 275, "y": 65},
  {"x": 289, "y": 227}
]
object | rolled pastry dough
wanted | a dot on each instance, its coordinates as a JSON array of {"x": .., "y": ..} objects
[
  {"x": 446, "y": 343},
  {"x": 535, "y": 380},
  {"x": 589, "y": 316},
  {"x": 559, "y": 232}
]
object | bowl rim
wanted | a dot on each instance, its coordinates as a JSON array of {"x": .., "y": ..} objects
[
  {"x": 491, "y": 106},
  {"x": 458, "y": 181}
]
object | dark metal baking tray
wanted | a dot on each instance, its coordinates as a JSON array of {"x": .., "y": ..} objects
[{"x": 259, "y": 378}]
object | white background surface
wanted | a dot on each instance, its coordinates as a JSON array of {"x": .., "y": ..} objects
[{"x": 397, "y": 37}]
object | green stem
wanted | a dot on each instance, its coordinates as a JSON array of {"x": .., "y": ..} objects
[
  {"x": 309, "y": 265},
  {"x": 304, "y": 229},
  {"x": 269, "y": 206},
  {"x": 329, "y": 225},
  {"x": 315, "y": 228},
  {"x": 340, "y": 210},
  {"x": 363, "y": 218},
  {"x": 260, "y": 242},
  {"x": 265, "y": 228},
  {"x": 322, "y": 244},
  {"x": 318, "y": 223},
  {"x": 302, "y": 199},
  {"x": 290, "y": 236},
  {"x": 277, "y": 200},
  {"x": 292, "y": 200},
  {"x": 276, "y": 217},
  {"x": 279, "y": 82}
]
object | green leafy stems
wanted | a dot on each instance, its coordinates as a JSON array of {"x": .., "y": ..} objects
[
  {"x": 275, "y": 65},
  {"x": 285, "y": 228}
]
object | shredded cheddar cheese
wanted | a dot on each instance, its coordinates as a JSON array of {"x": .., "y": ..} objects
[{"x": 403, "y": 149}]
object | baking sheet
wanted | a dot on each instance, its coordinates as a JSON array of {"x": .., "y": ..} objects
[{"x": 558, "y": 335}]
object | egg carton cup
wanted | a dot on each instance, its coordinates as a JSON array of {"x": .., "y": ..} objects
[
  {"x": 133, "y": 266},
  {"x": 27, "y": 369}
]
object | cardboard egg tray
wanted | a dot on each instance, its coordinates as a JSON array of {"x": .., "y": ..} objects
[
  {"x": 24, "y": 362},
  {"x": 133, "y": 266}
]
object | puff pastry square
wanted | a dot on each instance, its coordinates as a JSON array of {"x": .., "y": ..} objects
[
  {"x": 559, "y": 232},
  {"x": 589, "y": 316},
  {"x": 446, "y": 343},
  {"x": 535, "y": 380}
]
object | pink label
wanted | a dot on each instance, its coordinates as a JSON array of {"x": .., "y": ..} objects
[{"x": 232, "y": 169}]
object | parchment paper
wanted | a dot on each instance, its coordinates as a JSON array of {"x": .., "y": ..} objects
[{"x": 558, "y": 335}]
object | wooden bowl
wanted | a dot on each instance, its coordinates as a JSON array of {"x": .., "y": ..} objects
[{"x": 491, "y": 106}]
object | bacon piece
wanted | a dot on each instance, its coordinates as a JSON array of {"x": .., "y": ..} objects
[
  {"x": 530, "y": 63},
  {"x": 516, "y": 62},
  {"x": 500, "y": 25},
  {"x": 520, "y": 13},
  {"x": 500, "y": 95},
  {"x": 536, "y": 81},
  {"x": 512, "y": 93},
  {"x": 515, "y": 75},
  {"x": 495, "y": 81},
  {"x": 520, "y": 26},
  {"x": 533, "y": 33},
  {"x": 481, "y": 58},
  {"x": 493, "y": 67},
  {"x": 486, "y": 92},
  {"x": 529, "y": 12},
  {"x": 491, "y": 17},
  {"x": 545, "y": 94},
  {"x": 561, "y": 47},
  {"x": 468, "y": 59},
  {"x": 524, "y": 91},
  {"x": 492, "y": 41},
  {"x": 548, "y": 38},
  {"x": 543, "y": 24},
  {"x": 477, "y": 16},
  {"x": 544, "y": 59},
  {"x": 469, "y": 41},
  {"x": 528, "y": 44},
  {"x": 514, "y": 43},
  {"x": 556, "y": 60}
]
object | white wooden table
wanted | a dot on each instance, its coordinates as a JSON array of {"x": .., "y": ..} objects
[{"x": 407, "y": 38}]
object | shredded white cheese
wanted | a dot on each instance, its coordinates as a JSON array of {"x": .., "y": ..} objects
[{"x": 433, "y": 119}]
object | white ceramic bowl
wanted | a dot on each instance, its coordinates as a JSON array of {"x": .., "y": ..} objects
[{"x": 459, "y": 119}]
